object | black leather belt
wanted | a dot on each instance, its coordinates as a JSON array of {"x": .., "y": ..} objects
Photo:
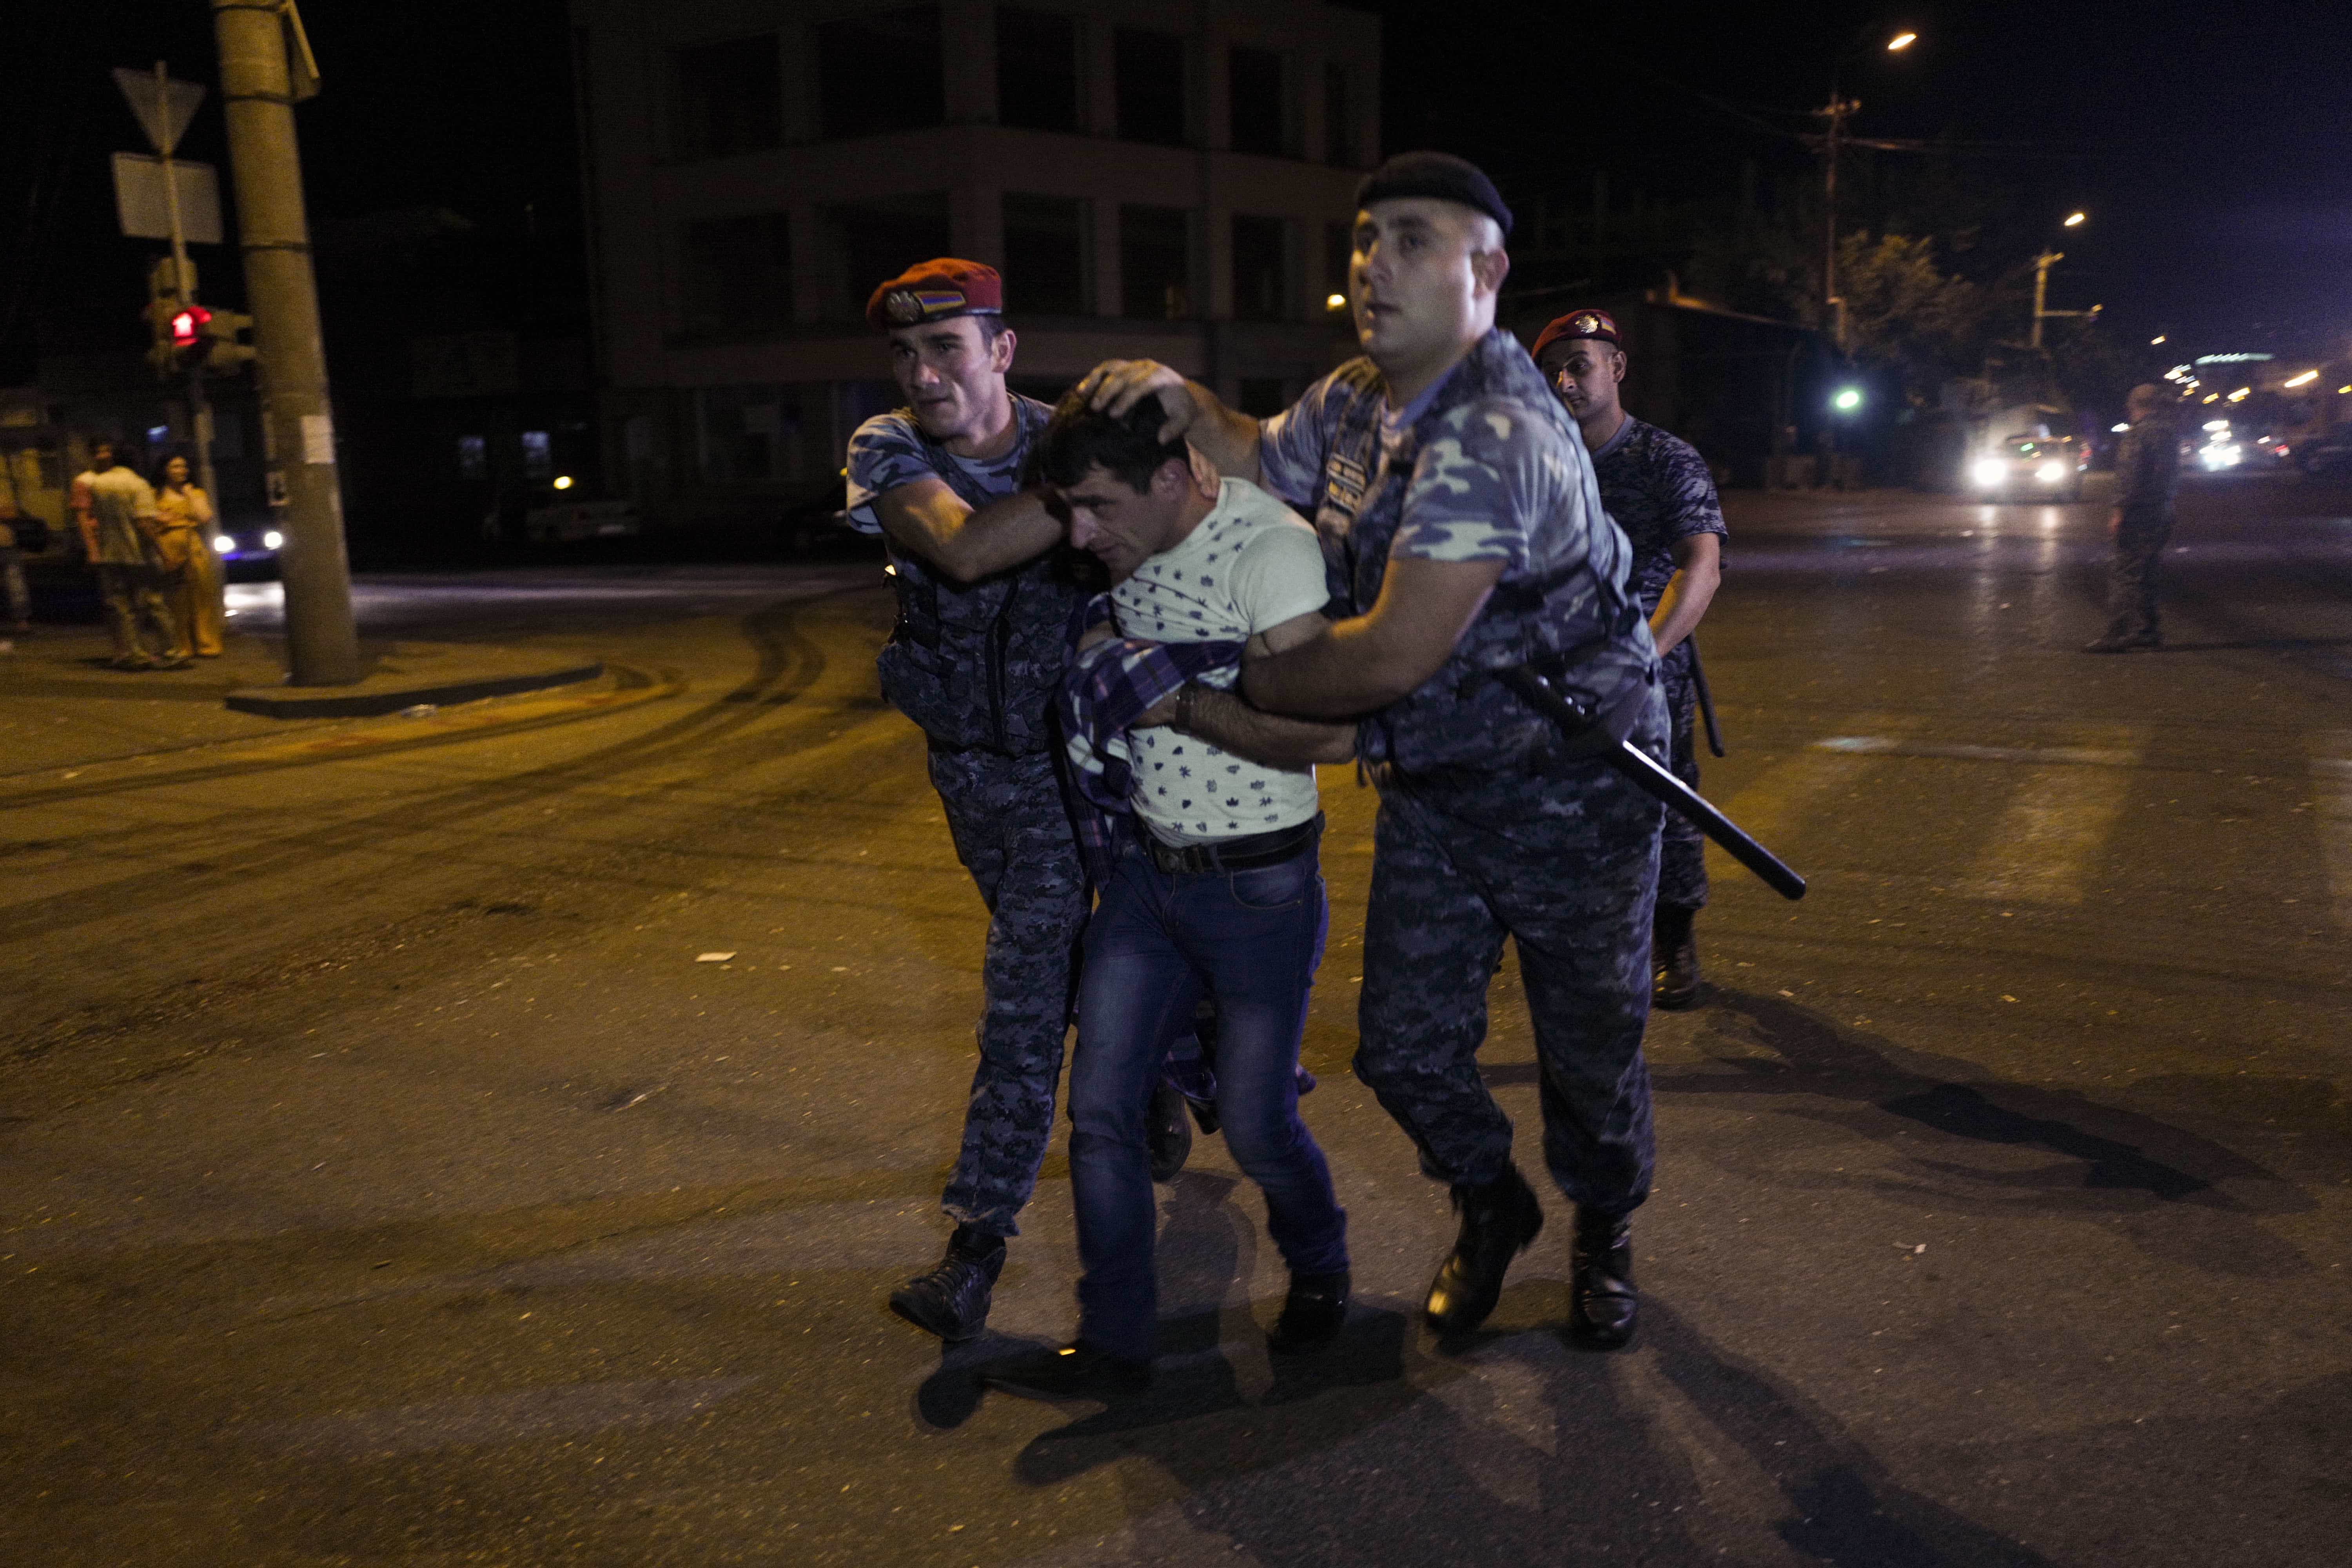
[{"x": 1243, "y": 853}]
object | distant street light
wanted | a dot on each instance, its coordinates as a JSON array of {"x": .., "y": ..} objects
[
  {"x": 2305, "y": 379},
  {"x": 1900, "y": 42},
  {"x": 2073, "y": 218},
  {"x": 2156, "y": 340},
  {"x": 1334, "y": 301},
  {"x": 1848, "y": 399}
]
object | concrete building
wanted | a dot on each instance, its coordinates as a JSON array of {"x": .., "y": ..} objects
[{"x": 1169, "y": 181}]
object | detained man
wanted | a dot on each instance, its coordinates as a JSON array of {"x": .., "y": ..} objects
[
  {"x": 976, "y": 660},
  {"x": 1213, "y": 885},
  {"x": 1459, "y": 516},
  {"x": 1657, "y": 488}
]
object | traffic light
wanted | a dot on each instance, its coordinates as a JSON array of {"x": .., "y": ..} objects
[
  {"x": 188, "y": 326},
  {"x": 172, "y": 314},
  {"x": 221, "y": 330}
]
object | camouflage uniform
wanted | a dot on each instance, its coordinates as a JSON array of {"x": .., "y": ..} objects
[
  {"x": 1487, "y": 827},
  {"x": 2147, "y": 478},
  {"x": 978, "y": 667},
  {"x": 1657, "y": 488}
]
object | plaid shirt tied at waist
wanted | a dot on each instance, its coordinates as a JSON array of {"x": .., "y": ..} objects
[{"x": 1106, "y": 688}]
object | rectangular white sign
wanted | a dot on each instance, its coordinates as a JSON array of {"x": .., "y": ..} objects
[{"x": 145, "y": 207}]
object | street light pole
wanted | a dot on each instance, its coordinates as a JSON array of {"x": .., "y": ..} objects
[
  {"x": 1832, "y": 306},
  {"x": 298, "y": 421}
]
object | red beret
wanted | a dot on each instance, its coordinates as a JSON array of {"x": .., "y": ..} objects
[
  {"x": 935, "y": 289},
  {"x": 1577, "y": 324}
]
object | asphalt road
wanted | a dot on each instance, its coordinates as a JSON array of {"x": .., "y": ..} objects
[{"x": 389, "y": 1174}]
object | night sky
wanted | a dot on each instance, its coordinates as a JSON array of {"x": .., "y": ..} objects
[{"x": 2212, "y": 144}]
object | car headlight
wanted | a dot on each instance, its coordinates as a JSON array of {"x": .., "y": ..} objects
[
  {"x": 272, "y": 540},
  {"x": 2051, "y": 472},
  {"x": 2220, "y": 455},
  {"x": 1989, "y": 471},
  {"x": 224, "y": 543}
]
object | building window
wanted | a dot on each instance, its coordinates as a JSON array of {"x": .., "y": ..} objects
[
  {"x": 538, "y": 455},
  {"x": 1149, "y": 80},
  {"x": 1257, "y": 269},
  {"x": 881, "y": 72},
  {"x": 1155, "y": 263},
  {"x": 735, "y": 274},
  {"x": 880, "y": 239},
  {"x": 1338, "y": 128},
  {"x": 1037, "y": 69},
  {"x": 1256, "y": 79},
  {"x": 473, "y": 458},
  {"x": 1045, "y": 256},
  {"x": 726, "y": 97},
  {"x": 750, "y": 432}
]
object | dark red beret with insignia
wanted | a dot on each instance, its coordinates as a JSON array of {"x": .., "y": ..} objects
[
  {"x": 1593, "y": 324},
  {"x": 935, "y": 289}
]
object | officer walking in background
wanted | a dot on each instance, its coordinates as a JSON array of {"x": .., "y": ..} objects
[
  {"x": 1657, "y": 488},
  {"x": 1466, "y": 536},
  {"x": 976, "y": 660},
  {"x": 2147, "y": 478}
]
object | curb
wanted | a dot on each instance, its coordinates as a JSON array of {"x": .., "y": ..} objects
[{"x": 331, "y": 702}]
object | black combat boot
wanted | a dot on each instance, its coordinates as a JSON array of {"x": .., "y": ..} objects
[
  {"x": 1673, "y": 958},
  {"x": 1498, "y": 1220},
  {"x": 1312, "y": 1315},
  {"x": 951, "y": 1300},
  {"x": 1602, "y": 1302},
  {"x": 1168, "y": 1131},
  {"x": 1073, "y": 1372}
]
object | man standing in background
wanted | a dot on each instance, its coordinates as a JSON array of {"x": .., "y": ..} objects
[
  {"x": 116, "y": 510},
  {"x": 2147, "y": 478},
  {"x": 1657, "y": 488}
]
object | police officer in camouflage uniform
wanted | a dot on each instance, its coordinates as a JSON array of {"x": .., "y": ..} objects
[
  {"x": 976, "y": 659},
  {"x": 1466, "y": 536},
  {"x": 1657, "y": 488},
  {"x": 2147, "y": 478}
]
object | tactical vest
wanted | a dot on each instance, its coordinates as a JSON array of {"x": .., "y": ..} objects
[
  {"x": 1573, "y": 618},
  {"x": 979, "y": 665}
]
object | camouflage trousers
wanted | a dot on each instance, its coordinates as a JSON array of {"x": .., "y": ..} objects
[
  {"x": 1682, "y": 848},
  {"x": 1014, "y": 836},
  {"x": 1567, "y": 867}
]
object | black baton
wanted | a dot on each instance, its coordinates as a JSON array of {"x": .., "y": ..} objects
[
  {"x": 1643, "y": 770},
  {"x": 1706, "y": 698}
]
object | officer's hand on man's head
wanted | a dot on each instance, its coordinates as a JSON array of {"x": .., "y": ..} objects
[{"x": 1117, "y": 386}]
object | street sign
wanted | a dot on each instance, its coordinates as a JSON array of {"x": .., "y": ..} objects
[
  {"x": 163, "y": 107},
  {"x": 144, "y": 206}
]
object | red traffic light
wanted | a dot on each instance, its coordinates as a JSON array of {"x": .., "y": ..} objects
[{"x": 188, "y": 325}]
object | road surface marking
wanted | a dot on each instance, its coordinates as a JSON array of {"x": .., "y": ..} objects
[
  {"x": 2057, "y": 821},
  {"x": 1776, "y": 803},
  {"x": 2331, "y": 777},
  {"x": 1886, "y": 745}
]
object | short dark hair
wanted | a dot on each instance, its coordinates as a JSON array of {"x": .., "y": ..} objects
[{"x": 1080, "y": 438}]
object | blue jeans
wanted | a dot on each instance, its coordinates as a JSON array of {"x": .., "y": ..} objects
[{"x": 1251, "y": 939}]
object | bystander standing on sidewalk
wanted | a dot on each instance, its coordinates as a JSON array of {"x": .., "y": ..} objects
[
  {"x": 184, "y": 530},
  {"x": 116, "y": 510},
  {"x": 13, "y": 543}
]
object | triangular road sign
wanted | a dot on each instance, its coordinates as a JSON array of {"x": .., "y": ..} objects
[{"x": 162, "y": 114}]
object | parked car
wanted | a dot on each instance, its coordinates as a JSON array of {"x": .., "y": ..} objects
[
  {"x": 556, "y": 512},
  {"x": 2031, "y": 468}
]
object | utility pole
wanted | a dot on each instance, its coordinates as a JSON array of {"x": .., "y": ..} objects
[
  {"x": 1833, "y": 308},
  {"x": 2042, "y": 266},
  {"x": 297, "y": 422}
]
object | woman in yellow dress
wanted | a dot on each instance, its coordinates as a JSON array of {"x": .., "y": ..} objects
[{"x": 183, "y": 534}]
